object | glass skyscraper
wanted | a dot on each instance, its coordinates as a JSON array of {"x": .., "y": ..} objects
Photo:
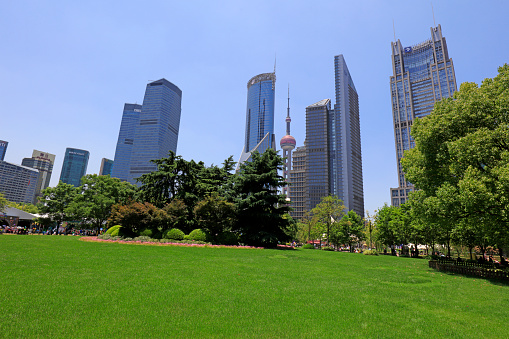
[
  {"x": 18, "y": 183},
  {"x": 422, "y": 75},
  {"x": 124, "y": 149},
  {"x": 3, "y": 149},
  {"x": 74, "y": 166},
  {"x": 106, "y": 166},
  {"x": 43, "y": 162},
  {"x": 259, "y": 115},
  {"x": 155, "y": 131}
]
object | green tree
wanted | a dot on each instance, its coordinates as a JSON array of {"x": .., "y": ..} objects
[
  {"x": 56, "y": 201},
  {"x": 350, "y": 230},
  {"x": 96, "y": 195},
  {"x": 29, "y": 208},
  {"x": 328, "y": 212},
  {"x": 461, "y": 158},
  {"x": 383, "y": 218},
  {"x": 3, "y": 203},
  {"x": 260, "y": 208},
  {"x": 215, "y": 215},
  {"x": 135, "y": 217}
]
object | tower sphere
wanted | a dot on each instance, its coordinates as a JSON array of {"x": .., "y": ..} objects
[{"x": 288, "y": 142}]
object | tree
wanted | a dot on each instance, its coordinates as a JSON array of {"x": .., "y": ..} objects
[
  {"x": 135, "y": 217},
  {"x": 260, "y": 208},
  {"x": 369, "y": 230},
  {"x": 215, "y": 215},
  {"x": 96, "y": 195},
  {"x": 328, "y": 212},
  {"x": 383, "y": 218},
  {"x": 55, "y": 201},
  {"x": 350, "y": 229},
  {"x": 30, "y": 208},
  {"x": 3, "y": 202},
  {"x": 461, "y": 158}
]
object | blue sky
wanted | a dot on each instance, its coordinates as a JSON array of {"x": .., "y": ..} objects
[{"x": 68, "y": 67}]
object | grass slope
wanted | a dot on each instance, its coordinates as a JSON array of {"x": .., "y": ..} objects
[{"x": 57, "y": 286}]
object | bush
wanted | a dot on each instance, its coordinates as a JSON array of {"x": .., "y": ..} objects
[
  {"x": 227, "y": 238},
  {"x": 370, "y": 252},
  {"x": 308, "y": 246},
  {"x": 327, "y": 248},
  {"x": 198, "y": 235},
  {"x": 174, "y": 234},
  {"x": 146, "y": 233},
  {"x": 143, "y": 238},
  {"x": 112, "y": 229}
]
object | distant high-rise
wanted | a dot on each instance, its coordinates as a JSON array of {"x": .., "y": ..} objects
[
  {"x": 287, "y": 143},
  {"x": 422, "y": 75},
  {"x": 259, "y": 115},
  {"x": 125, "y": 143},
  {"x": 331, "y": 158},
  {"x": 18, "y": 183},
  {"x": 106, "y": 166},
  {"x": 43, "y": 162},
  {"x": 157, "y": 131},
  {"x": 74, "y": 166},
  {"x": 3, "y": 149},
  {"x": 345, "y": 141}
]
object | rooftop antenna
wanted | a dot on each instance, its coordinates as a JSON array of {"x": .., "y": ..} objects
[
  {"x": 432, "y": 11},
  {"x": 288, "y": 113},
  {"x": 394, "y": 29}
]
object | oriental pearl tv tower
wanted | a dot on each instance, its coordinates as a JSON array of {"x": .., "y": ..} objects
[{"x": 287, "y": 144}]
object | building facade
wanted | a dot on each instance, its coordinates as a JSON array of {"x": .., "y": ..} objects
[
  {"x": 3, "y": 149},
  {"x": 345, "y": 141},
  {"x": 43, "y": 162},
  {"x": 106, "y": 166},
  {"x": 297, "y": 179},
  {"x": 125, "y": 142},
  {"x": 422, "y": 74},
  {"x": 259, "y": 115},
  {"x": 156, "y": 133},
  {"x": 74, "y": 166},
  {"x": 18, "y": 183}
]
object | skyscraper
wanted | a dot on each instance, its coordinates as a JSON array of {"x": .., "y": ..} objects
[
  {"x": 18, "y": 183},
  {"x": 3, "y": 149},
  {"x": 125, "y": 143},
  {"x": 43, "y": 162},
  {"x": 259, "y": 115},
  {"x": 332, "y": 162},
  {"x": 106, "y": 166},
  {"x": 157, "y": 130},
  {"x": 287, "y": 143},
  {"x": 345, "y": 141},
  {"x": 74, "y": 166},
  {"x": 422, "y": 74}
]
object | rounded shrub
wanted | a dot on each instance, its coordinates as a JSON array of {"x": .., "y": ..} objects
[
  {"x": 227, "y": 238},
  {"x": 146, "y": 233},
  {"x": 370, "y": 252},
  {"x": 327, "y": 248},
  {"x": 112, "y": 229},
  {"x": 308, "y": 246},
  {"x": 174, "y": 234},
  {"x": 198, "y": 235}
]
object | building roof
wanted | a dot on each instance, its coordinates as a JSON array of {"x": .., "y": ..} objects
[
  {"x": 323, "y": 102},
  {"x": 14, "y": 212}
]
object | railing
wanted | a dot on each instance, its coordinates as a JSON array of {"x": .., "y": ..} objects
[{"x": 482, "y": 270}]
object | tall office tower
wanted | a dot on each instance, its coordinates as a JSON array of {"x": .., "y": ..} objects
[
  {"x": 106, "y": 166},
  {"x": 297, "y": 180},
  {"x": 287, "y": 144},
  {"x": 259, "y": 115},
  {"x": 125, "y": 143},
  {"x": 43, "y": 162},
  {"x": 345, "y": 141},
  {"x": 423, "y": 74},
  {"x": 157, "y": 131},
  {"x": 74, "y": 166},
  {"x": 18, "y": 183},
  {"x": 317, "y": 143},
  {"x": 3, "y": 149}
]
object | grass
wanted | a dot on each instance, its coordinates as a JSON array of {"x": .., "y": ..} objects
[{"x": 58, "y": 286}]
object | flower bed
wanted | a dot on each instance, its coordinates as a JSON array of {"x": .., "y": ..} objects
[{"x": 154, "y": 243}]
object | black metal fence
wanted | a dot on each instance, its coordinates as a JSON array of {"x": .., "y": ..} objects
[{"x": 482, "y": 270}]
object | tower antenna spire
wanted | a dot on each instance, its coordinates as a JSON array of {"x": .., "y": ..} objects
[
  {"x": 432, "y": 11},
  {"x": 288, "y": 119}
]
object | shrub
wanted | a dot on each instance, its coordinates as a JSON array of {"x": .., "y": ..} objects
[
  {"x": 146, "y": 233},
  {"x": 112, "y": 229},
  {"x": 186, "y": 237},
  {"x": 370, "y": 252},
  {"x": 174, "y": 234},
  {"x": 327, "y": 248},
  {"x": 143, "y": 238},
  {"x": 198, "y": 235},
  {"x": 308, "y": 246},
  {"x": 227, "y": 238}
]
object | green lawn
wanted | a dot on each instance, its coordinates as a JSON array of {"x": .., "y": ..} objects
[{"x": 59, "y": 287}]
